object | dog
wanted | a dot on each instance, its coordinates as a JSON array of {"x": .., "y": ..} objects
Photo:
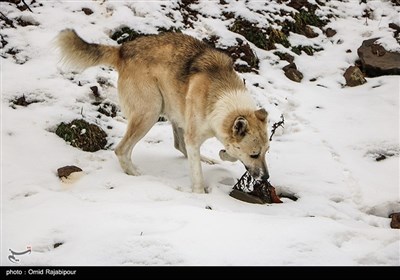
[{"x": 190, "y": 83}]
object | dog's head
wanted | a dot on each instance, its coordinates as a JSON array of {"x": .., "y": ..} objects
[{"x": 248, "y": 142}]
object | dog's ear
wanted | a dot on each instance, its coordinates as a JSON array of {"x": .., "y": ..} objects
[
  {"x": 239, "y": 127},
  {"x": 261, "y": 114}
]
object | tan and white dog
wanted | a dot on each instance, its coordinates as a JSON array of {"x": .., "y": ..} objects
[{"x": 192, "y": 84}]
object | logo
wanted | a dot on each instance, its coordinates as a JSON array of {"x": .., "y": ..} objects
[{"x": 12, "y": 257}]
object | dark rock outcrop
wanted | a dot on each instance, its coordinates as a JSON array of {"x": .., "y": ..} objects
[{"x": 376, "y": 61}]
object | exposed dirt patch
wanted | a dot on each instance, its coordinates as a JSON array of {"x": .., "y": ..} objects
[
  {"x": 80, "y": 134},
  {"x": 23, "y": 101}
]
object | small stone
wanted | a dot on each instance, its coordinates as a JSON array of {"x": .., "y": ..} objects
[
  {"x": 289, "y": 66},
  {"x": 95, "y": 91},
  {"x": 394, "y": 26},
  {"x": 380, "y": 157},
  {"x": 330, "y": 32},
  {"x": 297, "y": 4},
  {"x": 309, "y": 32},
  {"x": 294, "y": 75},
  {"x": 354, "y": 76},
  {"x": 395, "y": 223},
  {"x": 67, "y": 170},
  {"x": 87, "y": 11}
]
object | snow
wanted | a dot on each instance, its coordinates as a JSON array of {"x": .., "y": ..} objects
[{"x": 324, "y": 155}]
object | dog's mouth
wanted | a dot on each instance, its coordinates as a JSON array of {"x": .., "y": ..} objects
[{"x": 257, "y": 173}]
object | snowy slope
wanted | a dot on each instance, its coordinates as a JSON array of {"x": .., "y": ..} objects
[{"x": 325, "y": 155}]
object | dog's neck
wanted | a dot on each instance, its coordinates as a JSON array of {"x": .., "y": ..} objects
[{"x": 229, "y": 106}]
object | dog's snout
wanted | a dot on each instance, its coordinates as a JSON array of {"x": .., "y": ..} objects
[{"x": 265, "y": 177}]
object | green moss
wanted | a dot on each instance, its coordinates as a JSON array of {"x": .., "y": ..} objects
[
  {"x": 277, "y": 36},
  {"x": 82, "y": 135},
  {"x": 125, "y": 34},
  {"x": 309, "y": 50},
  {"x": 308, "y": 18},
  {"x": 301, "y": 20},
  {"x": 252, "y": 33}
]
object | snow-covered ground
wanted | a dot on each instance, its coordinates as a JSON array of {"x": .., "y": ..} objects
[{"x": 325, "y": 155}]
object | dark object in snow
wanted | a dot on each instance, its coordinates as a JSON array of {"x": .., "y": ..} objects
[
  {"x": 294, "y": 75},
  {"x": 67, "y": 170},
  {"x": 376, "y": 61},
  {"x": 82, "y": 135},
  {"x": 354, "y": 76},
  {"x": 95, "y": 91},
  {"x": 21, "y": 101},
  {"x": 330, "y": 32},
  {"x": 297, "y": 4},
  {"x": 290, "y": 65},
  {"x": 395, "y": 223},
  {"x": 58, "y": 244},
  {"x": 254, "y": 191},
  {"x": 108, "y": 109},
  {"x": 87, "y": 11},
  {"x": 396, "y": 28},
  {"x": 380, "y": 157}
]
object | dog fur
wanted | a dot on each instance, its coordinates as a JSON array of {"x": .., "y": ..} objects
[{"x": 192, "y": 84}]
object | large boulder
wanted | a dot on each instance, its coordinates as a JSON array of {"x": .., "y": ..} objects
[{"x": 376, "y": 61}]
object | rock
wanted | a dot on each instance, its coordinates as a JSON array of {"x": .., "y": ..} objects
[
  {"x": 87, "y": 11},
  {"x": 378, "y": 50},
  {"x": 294, "y": 75},
  {"x": 309, "y": 32},
  {"x": 376, "y": 61},
  {"x": 95, "y": 91},
  {"x": 330, "y": 32},
  {"x": 297, "y": 4},
  {"x": 394, "y": 26},
  {"x": 289, "y": 66},
  {"x": 354, "y": 76},
  {"x": 285, "y": 56},
  {"x": 395, "y": 223},
  {"x": 67, "y": 170}
]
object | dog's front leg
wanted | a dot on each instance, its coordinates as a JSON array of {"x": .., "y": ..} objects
[{"x": 196, "y": 174}]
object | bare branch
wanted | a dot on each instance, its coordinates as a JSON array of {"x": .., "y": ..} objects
[{"x": 276, "y": 125}]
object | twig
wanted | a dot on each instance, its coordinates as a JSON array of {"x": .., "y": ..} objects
[
  {"x": 26, "y": 5},
  {"x": 276, "y": 125},
  {"x": 7, "y": 20}
]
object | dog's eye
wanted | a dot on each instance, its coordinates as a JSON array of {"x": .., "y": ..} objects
[{"x": 255, "y": 156}]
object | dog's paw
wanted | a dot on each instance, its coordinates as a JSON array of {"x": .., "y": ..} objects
[
  {"x": 131, "y": 170},
  {"x": 199, "y": 189},
  {"x": 209, "y": 161}
]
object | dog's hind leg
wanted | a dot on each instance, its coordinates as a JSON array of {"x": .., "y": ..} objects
[{"x": 139, "y": 124}]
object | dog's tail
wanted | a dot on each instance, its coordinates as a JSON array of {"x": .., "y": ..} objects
[{"x": 80, "y": 55}]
